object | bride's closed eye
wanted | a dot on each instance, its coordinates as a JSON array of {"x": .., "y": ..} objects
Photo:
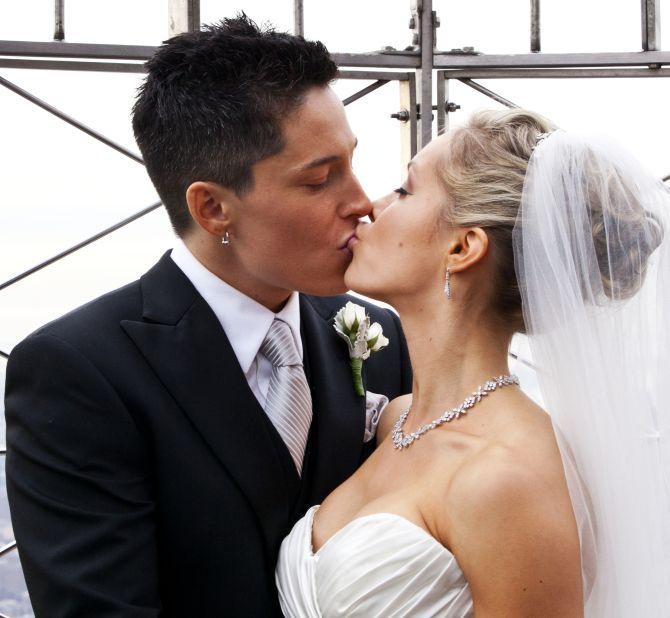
[{"x": 402, "y": 191}]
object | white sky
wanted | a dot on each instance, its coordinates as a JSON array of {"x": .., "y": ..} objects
[{"x": 58, "y": 186}]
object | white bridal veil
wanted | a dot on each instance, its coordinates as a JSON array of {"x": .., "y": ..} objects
[{"x": 592, "y": 249}]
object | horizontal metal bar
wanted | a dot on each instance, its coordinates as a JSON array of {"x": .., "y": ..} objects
[
  {"x": 404, "y": 60},
  {"x": 554, "y": 73},
  {"x": 72, "y": 65},
  {"x": 80, "y": 245},
  {"x": 104, "y": 51},
  {"x": 57, "y": 49},
  {"x": 385, "y": 75},
  {"x": 666, "y": 178},
  {"x": 7, "y": 548},
  {"x": 3, "y": 451},
  {"x": 4, "y": 354},
  {"x": 363, "y": 91},
  {"x": 488, "y": 93},
  {"x": 546, "y": 61},
  {"x": 71, "y": 121}
]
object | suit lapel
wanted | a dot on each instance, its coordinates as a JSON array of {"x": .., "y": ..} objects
[
  {"x": 183, "y": 341},
  {"x": 336, "y": 439}
]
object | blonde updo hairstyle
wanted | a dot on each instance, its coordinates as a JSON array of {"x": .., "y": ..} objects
[{"x": 483, "y": 172}]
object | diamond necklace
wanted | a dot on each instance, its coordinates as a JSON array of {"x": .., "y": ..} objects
[{"x": 402, "y": 441}]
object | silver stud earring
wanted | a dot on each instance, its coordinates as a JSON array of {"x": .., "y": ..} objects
[
  {"x": 447, "y": 284},
  {"x": 226, "y": 239}
]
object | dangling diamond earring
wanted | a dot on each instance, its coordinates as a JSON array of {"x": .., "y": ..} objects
[
  {"x": 447, "y": 285},
  {"x": 226, "y": 239}
]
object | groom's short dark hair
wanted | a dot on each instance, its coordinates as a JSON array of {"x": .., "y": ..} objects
[{"x": 212, "y": 105}]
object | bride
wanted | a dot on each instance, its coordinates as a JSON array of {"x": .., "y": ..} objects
[{"x": 481, "y": 503}]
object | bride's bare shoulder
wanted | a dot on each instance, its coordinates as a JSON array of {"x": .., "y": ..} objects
[{"x": 508, "y": 519}]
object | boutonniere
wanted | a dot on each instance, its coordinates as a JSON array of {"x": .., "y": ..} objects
[{"x": 363, "y": 338}]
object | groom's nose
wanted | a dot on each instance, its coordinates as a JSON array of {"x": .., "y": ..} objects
[
  {"x": 358, "y": 203},
  {"x": 378, "y": 206}
]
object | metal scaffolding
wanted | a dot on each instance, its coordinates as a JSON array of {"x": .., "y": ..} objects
[{"x": 415, "y": 69}]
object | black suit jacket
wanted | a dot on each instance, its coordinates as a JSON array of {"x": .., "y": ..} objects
[{"x": 144, "y": 479}]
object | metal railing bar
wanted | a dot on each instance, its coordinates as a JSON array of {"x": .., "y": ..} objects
[
  {"x": 4, "y": 354},
  {"x": 651, "y": 25},
  {"x": 400, "y": 76},
  {"x": 59, "y": 18},
  {"x": 547, "y": 61},
  {"x": 554, "y": 73},
  {"x": 488, "y": 93},
  {"x": 535, "y": 33},
  {"x": 72, "y": 65},
  {"x": 522, "y": 360},
  {"x": 7, "y": 548},
  {"x": 3, "y": 451},
  {"x": 71, "y": 121},
  {"x": 80, "y": 245},
  {"x": 363, "y": 91},
  {"x": 298, "y": 17},
  {"x": 666, "y": 178}
]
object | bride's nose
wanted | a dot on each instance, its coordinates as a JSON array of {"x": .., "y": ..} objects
[{"x": 378, "y": 206}]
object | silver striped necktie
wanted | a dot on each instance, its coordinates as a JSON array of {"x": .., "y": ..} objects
[{"x": 289, "y": 402}]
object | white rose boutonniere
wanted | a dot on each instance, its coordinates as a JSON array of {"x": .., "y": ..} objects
[{"x": 363, "y": 338}]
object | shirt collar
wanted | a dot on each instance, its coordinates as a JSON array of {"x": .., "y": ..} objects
[{"x": 245, "y": 321}]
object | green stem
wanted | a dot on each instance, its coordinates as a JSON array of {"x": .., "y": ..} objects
[{"x": 356, "y": 373}]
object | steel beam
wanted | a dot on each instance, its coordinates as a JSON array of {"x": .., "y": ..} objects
[
  {"x": 72, "y": 65},
  {"x": 442, "y": 98},
  {"x": 59, "y": 19},
  {"x": 425, "y": 73},
  {"x": 71, "y": 121},
  {"x": 183, "y": 16},
  {"x": 651, "y": 25},
  {"x": 554, "y": 73},
  {"x": 7, "y": 548},
  {"x": 401, "y": 76},
  {"x": 367, "y": 90},
  {"x": 489, "y": 93},
  {"x": 80, "y": 245},
  {"x": 535, "y": 32},
  {"x": 408, "y": 126},
  {"x": 97, "y": 51},
  {"x": 299, "y": 17},
  {"x": 547, "y": 61}
]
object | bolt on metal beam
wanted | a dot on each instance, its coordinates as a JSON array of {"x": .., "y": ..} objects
[
  {"x": 71, "y": 121},
  {"x": 363, "y": 91},
  {"x": 299, "y": 17},
  {"x": 59, "y": 18},
  {"x": 535, "y": 33},
  {"x": 651, "y": 25},
  {"x": 80, "y": 245}
]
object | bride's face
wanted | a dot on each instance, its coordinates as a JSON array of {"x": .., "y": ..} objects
[{"x": 401, "y": 254}]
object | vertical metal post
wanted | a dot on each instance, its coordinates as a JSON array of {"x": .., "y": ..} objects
[
  {"x": 442, "y": 98},
  {"x": 651, "y": 25},
  {"x": 535, "y": 42},
  {"x": 408, "y": 128},
  {"x": 425, "y": 73},
  {"x": 184, "y": 16},
  {"x": 59, "y": 15},
  {"x": 299, "y": 17}
]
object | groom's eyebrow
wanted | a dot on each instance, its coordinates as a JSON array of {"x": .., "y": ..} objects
[{"x": 322, "y": 161}]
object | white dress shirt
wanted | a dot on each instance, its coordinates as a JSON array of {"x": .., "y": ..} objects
[{"x": 245, "y": 322}]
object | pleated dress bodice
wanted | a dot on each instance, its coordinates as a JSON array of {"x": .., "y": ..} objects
[{"x": 377, "y": 565}]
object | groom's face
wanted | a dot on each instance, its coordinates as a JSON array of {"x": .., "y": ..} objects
[{"x": 291, "y": 229}]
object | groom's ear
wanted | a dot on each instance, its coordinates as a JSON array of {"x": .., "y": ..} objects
[
  {"x": 211, "y": 206},
  {"x": 466, "y": 247}
]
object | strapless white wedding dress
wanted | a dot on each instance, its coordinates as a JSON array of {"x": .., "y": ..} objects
[{"x": 377, "y": 565}]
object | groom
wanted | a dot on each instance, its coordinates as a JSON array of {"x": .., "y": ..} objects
[{"x": 163, "y": 439}]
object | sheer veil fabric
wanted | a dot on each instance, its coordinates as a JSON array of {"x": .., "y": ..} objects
[{"x": 592, "y": 250}]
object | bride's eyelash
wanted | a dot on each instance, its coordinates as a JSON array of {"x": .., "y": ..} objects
[{"x": 402, "y": 191}]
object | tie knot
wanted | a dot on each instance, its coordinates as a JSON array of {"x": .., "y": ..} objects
[{"x": 279, "y": 346}]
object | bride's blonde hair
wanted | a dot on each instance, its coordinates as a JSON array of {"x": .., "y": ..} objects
[{"x": 483, "y": 172}]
